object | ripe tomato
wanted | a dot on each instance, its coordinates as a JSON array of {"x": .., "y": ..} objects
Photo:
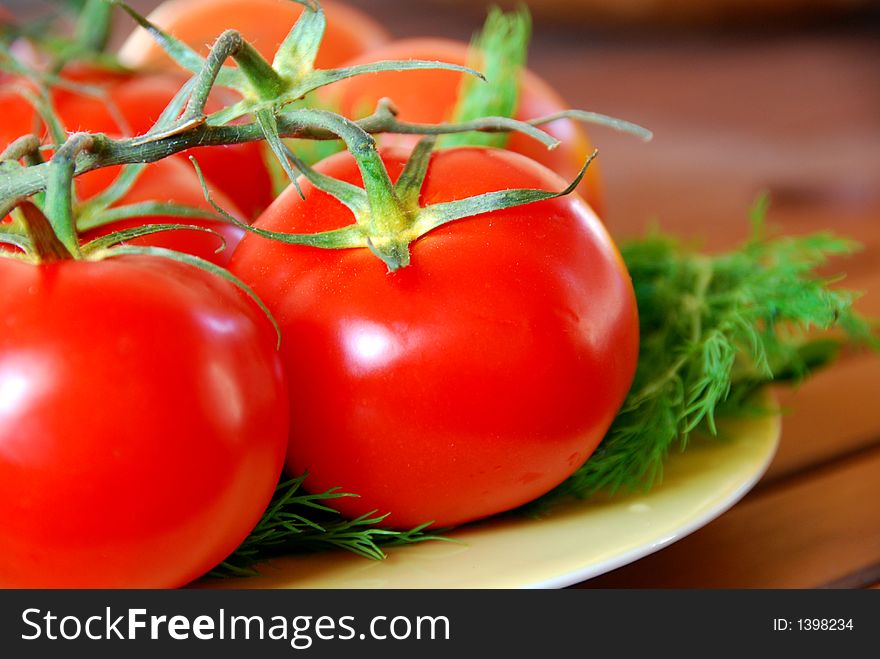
[
  {"x": 265, "y": 23},
  {"x": 168, "y": 180},
  {"x": 471, "y": 381},
  {"x": 131, "y": 105},
  {"x": 430, "y": 95},
  {"x": 143, "y": 422}
]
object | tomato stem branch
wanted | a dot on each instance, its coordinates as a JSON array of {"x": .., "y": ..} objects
[
  {"x": 43, "y": 242},
  {"x": 598, "y": 119},
  {"x": 206, "y": 78},
  {"x": 59, "y": 189},
  {"x": 23, "y": 147},
  {"x": 264, "y": 80},
  {"x": 105, "y": 152}
]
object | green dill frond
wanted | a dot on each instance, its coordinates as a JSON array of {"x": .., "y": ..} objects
[
  {"x": 714, "y": 329},
  {"x": 499, "y": 51},
  {"x": 299, "y": 522}
]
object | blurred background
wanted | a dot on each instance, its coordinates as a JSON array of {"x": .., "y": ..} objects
[{"x": 742, "y": 96}]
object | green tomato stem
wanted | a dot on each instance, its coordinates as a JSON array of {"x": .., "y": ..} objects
[
  {"x": 388, "y": 217},
  {"x": 106, "y": 152},
  {"x": 387, "y": 222},
  {"x": 263, "y": 79},
  {"x": 23, "y": 147},
  {"x": 59, "y": 190}
]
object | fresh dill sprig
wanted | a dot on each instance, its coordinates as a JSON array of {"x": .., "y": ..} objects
[
  {"x": 499, "y": 51},
  {"x": 714, "y": 328},
  {"x": 299, "y": 522}
]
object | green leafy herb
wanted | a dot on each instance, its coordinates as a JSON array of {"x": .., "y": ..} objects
[
  {"x": 297, "y": 522},
  {"x": 714, "y": 328},
  {"x": 499, "y": 50}
]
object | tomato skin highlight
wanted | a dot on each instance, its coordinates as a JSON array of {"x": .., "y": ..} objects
[
  {"x": 430, "y": 95},
  {"x": 469, "y": 382},
  {"x": 143, "y": 422}
]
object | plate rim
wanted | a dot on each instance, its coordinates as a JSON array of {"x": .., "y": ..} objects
[
  {"x": 567, "y": 579},
  {"x": 769, "y": 425}
]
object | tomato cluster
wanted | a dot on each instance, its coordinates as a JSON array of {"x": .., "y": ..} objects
[{"x": 145, "y": 410}]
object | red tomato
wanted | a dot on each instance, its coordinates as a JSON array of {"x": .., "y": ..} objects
[
  {"x": 265, "y": 23},
  {"x": 430, "y": 95},
  {"x": 471, "y": 381},
  {"x": 167, "y": 181},
  {"x": 143, "y": 422},
  {"x": 131, "y": 107}
]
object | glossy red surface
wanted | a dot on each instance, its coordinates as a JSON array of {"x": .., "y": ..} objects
[
  {"x": 143, "y": 422},
  {"x": 467, "y": 383}
]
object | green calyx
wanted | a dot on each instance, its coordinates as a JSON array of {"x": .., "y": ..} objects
[
  {"x": 47, "y": 228},
  {"x": 33, "y": 234},
  {"x": 51, "y": 233},
  {"x": 292, "y": 73},
  {"x": 388, "y": 216}
]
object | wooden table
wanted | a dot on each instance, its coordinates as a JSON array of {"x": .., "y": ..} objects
[{"x": 797, "y": 114}]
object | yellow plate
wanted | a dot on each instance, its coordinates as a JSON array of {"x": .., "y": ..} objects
[{"x": 576, "y": 541}]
